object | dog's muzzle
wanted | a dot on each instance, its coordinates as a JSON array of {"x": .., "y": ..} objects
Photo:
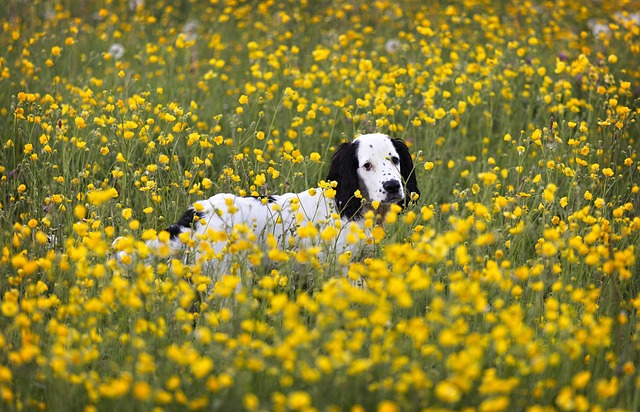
[{"x": 393, "y": 189}]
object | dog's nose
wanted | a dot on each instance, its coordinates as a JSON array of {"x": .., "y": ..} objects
[{"x": 391, "y": 186}]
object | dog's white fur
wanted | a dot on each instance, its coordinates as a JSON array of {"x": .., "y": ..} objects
[{"x": 377, "y": 166}]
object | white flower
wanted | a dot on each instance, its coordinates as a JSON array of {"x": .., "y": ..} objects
[
  {"x": 190, "y": 30},
  {"x": 627, "y": 18},
  {"x": 116, "y": 51},
  {"x": 392, "y": 45},
  {"x": 597, "y": 28},
  {"x": 136, "y": 5}
]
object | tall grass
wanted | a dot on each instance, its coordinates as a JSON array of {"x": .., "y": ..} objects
[{"x": 512, "y": 284}]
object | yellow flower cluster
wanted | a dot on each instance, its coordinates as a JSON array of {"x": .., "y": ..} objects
[{"x": 511, "y": 284}]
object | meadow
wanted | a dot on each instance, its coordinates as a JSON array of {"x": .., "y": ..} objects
[{"x": 511, "y": 285}]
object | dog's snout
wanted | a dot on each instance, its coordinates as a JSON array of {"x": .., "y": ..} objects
[{"x": 391, "y": 186}]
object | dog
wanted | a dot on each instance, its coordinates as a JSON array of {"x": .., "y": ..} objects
[{"x": 372, "y": 172}]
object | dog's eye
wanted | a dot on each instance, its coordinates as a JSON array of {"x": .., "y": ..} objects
[
  {"x": 367, "y": 166},
  {"x": 395, "y": 160}
]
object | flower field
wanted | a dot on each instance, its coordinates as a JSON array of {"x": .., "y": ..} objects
[{"x": 512, "y": 284}]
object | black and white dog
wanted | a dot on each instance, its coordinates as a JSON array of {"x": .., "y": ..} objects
[{"x": 373, "y": 171}]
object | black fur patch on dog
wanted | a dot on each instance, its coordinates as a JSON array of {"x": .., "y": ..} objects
[{"x": 184, "y": 222}]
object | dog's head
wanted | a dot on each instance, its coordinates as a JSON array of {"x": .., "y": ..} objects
[{"x": 379, "y": 166}]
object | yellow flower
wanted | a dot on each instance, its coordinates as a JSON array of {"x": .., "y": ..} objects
[
  {"x": 599, "y": 203},
  {"x": 126, "y": 213},
  {"x": 98, "y": 197},
  {"x": 391, "y": 218},
  {"x": 388, "y": 406},
  {"x": 485, "y": 239},
  {"x": 231, "y": 207},
  {"x": 330, "y": 193},
  {"x": 142, "y": 391},
  {"x": 9, "y": 308},
  {"x": 488, "y": 178},
  {"x": 548, "y": 249},
  {"x": 207, "y": 183},
  {"x": 549, "y": 192},
  {"x": 251, "y": 402},
  {"x": 320, "y": 53},
  {"x": 581, "y": 379},
  {"x": 439, "y": 113},
  {"x": 536, "y": 135},
  {"x": 377, "y": 233},
  {"x": 307, "y": 231},
  {"x": 448, "y": 392},
  {"x": 426, "y": 213},
  {"x": 201, "y": 367},
  {"x": 260, "y": 179},
  {"x": 329, "y": 233},
  {"x": 607, "y": 388},
  {"x": 5, "y": 374},
  {"x": 298, "y": 400}
]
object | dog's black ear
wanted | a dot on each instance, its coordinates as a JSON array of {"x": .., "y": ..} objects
[
  {"x": 407, "y": 169},
  {"x": 344, "y": 170}
]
